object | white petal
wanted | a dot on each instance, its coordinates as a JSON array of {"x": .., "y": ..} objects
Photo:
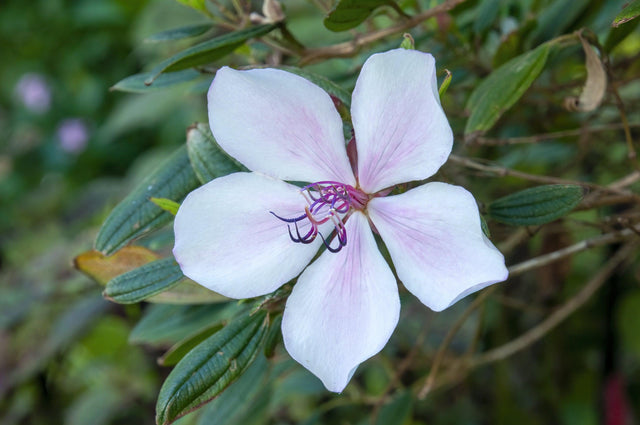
[
  {"x": 401, "y": 131},
  {"x": 228, "y": 241},
  {"x": 343, "y": 309},
  {"x": 434, "y": 236},
  {"x": 280, "y": 124}
]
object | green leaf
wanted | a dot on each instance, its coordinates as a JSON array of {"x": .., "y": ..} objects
[
  {"x": 502, "y": 88},
  {"x": 273, "y": 337},
  {"x": 556, "y": 19},
  {"x": 408, "y": 43},
  {"x": 211, "y": 367},
  {"x": 445, "y": 83},
  {"x": 241, "y": 403},
  {"x": 349, "y": 14},
  {"x": 166, "y": 204},
  {"x": 135, "y": 215},
  {"x": 181, "y": 348},
  {"x": 397, "y": 411},
  {"x": 327, "y": 85},
  {"x": 179, "y": 33},
  {"x": 166, "y": 324},
  {"x": 536, "y": 206},
  {"x": 631, "y": 11},
  {"x": 198, "y": 5},
  {"x": 144, "y": 282},
  {"x": 485, "y": 15},
  {"x": 188, "y": 292},
  {"x": 208, "y": 159},
  {"x": 209, "y": 51},
  {"x": 136, "y": 83}
]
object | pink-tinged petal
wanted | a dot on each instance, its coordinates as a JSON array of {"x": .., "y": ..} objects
[
  {"x": 401, "y": 131},
  {"x": 343, "y": 309},
  {"x": 279, "y": 124},
  {"x": 436, "y": 242},
  {"x": 228, "y": 241}
]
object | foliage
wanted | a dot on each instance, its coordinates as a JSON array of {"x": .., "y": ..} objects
[{"x": 558, "y": 187}]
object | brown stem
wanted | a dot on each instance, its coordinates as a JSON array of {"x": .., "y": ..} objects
[
  {"x": 486, "y": 141},
  {"x": 537, "y": 332},
  {"x": 503, "y": 171},
  {"x": 350, "y": 48}
]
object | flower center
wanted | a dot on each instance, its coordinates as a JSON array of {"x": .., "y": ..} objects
[{"x": 327, "y": 201}]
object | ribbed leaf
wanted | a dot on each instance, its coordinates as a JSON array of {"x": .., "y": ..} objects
[
  {"x": 350, "y": 13},
  {"x": 179, "y": 33},
  {"x": 631, "y": 11},
  {"x": 502, "y": 88},
  {"x": 209, "y": 51},
  {"x": 209, "y": 161},
  {"x": 136, "y": 215},
  {"x": 536, "y": 206},
  {"x": 144, "y": 282},
  {"x": 241, "y": 402},
  {"x": 136, "y": 83},
  {"x": 209, "y": 368},
  {"x": 183, "y": 347},
  {"x": 166, "y": 324}
]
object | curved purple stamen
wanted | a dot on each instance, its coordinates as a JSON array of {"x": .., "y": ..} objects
[{"x": 328, "y": 200}]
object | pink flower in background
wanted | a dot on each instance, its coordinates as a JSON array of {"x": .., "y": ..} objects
[
  {"x": 73, "y": 135},
  {"x": 246, "y": 234},
  {"x": 34, "y": 92}
]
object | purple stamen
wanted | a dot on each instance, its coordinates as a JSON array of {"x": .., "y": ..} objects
[{"x": 328, "y": 200}]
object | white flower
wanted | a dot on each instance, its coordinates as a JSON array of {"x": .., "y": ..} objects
[{"x": 236, "y": 235}]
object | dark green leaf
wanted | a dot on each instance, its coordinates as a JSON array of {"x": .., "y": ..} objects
[
  {"x": 350, "y": 13},
  {"x": 536, "y": 206},
  {"x": 556, "y": 18},
  {"x": 273, "y": 337},
  {"x": 209, "y": 51},
  {"x": 502, "y": 88},
  {"x": 181, "y": 348},
  {"x": 166, "y": 324},
  {"x": 486, "y": 13},
  {"x": 397, "y": 411},
  {"x": 327, "y": 85},
  {"x": 211, "y": 367},
  {"x": 144, "y": 282},
  {"x": 618, "y": 34},
  {"x": 209, "y": 161},
  {"x": 631, "y": 11},
  {"x": 241, "y": 402},
  {"x": 135, "y": 215},
  {"x": 179, "y": 33},
  {"x": 136, "y": 83}
]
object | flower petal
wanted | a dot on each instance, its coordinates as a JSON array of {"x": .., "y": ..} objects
[
  {"x": 435, "y": 239},
  {"x": 228, "y": 241},
  {"x": 343, "y": 309},
  {"x": 401, "y": 131},
  {"x": 280, "y": 124}
]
